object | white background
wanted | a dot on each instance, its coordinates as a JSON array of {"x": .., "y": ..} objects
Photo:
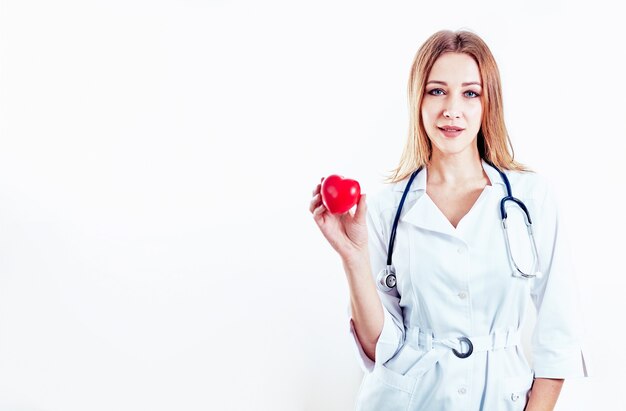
[{"x": 156, "y": 165}]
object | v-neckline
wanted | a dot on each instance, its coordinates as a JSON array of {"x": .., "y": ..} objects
[{"x": 466, "y": 215}]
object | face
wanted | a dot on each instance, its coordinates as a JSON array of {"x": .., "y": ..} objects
[{"x": 452, "y": 108}]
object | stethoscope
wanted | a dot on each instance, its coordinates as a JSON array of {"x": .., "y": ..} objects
[{"x": 386, "y": 280}]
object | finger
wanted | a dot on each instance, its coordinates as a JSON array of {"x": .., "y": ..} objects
[
  {"x": 317, "y": 189},
  {"x": 361, "y": 209},
  {"x": 319, "y": 211},
  {"x": 315, "y": 202}
]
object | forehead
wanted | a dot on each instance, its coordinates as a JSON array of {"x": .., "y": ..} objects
[{"x": 455, "y": 68}]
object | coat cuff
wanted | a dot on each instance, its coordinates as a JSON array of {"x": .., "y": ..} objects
[
  {"x": 387, "y": 345},
  {"x": 559, "y": 362}
]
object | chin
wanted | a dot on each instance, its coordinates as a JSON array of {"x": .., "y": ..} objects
[
  {"x": 453, "y": 149},
  {"x": 452, "y": 146}
]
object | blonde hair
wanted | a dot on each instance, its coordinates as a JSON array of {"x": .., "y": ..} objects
[{"x": 493, "y": 141}]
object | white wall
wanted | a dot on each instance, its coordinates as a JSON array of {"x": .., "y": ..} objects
[{"x": 156, "y": 164}]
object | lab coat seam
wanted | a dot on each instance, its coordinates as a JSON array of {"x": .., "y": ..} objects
[
  {"x": 410, "y": 273},
  {"x": 467, "y": 286}
]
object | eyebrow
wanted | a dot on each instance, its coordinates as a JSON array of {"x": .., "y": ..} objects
[{"x": 469, "y": 83}]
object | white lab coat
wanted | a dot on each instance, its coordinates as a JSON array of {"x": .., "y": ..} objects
[{"x": 455, "y": 282}]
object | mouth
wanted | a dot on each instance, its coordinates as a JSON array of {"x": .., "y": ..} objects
[{"x": 451, "y": 131}]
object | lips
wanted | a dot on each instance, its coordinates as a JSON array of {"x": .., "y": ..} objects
[{"x": 451, "y": 131}]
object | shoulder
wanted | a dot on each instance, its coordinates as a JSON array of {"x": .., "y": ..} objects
[
  {"x": 538, "y": 193},
  {"x": 383, "y": 203},
  {"x": 383, "y": 199},
  {"x": 530, "y": 185}
]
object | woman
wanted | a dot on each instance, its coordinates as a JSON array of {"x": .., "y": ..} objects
[{"x": 447, "y": 335}]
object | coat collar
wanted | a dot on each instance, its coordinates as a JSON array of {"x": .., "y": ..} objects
[{"x": 425, "y": 214}]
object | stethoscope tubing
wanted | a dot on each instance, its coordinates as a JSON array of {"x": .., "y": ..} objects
[
  {"x": 396, "y": 220},
  {"x": 389, "y": 281}
]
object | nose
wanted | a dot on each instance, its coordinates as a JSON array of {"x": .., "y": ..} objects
[
  {"x": 452, "y": 107},
  {"x": 448, "y": 113}
]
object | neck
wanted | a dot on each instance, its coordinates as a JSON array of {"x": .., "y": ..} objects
[{"x": 456, "y": 169}]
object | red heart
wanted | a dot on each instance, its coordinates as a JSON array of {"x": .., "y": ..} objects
[{"x": 340, "y": 195}]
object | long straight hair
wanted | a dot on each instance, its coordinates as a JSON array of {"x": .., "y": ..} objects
[{"x": 494, "y": 144}]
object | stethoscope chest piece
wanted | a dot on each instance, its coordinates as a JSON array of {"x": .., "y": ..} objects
[{"x": 386, "y": 280}]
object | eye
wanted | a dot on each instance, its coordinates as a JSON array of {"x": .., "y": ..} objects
[
  {"x": 471, "y": 94},
  {"x": 436, "y": 92}
]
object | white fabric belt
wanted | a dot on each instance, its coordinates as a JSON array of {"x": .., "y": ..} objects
[
  {"x": 499, "y": 339},
  {"x": 442, "y": 345}
]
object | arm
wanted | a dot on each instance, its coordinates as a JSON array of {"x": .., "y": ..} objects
[
  {"x": 366, "y": 308},
  {"x": 347, "y": 234},
  {"x": 543, "y": 394},
  {"x": 556, "y": 341}
]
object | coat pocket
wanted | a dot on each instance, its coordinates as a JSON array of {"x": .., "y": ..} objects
[
  {"x": 394, "y": 379},
  {"x": 405, "y": 359},
  {"x": 385, "y": 389},
  {"x": 515, "y": 391}
]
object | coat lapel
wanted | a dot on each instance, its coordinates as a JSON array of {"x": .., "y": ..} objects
[{"x": 423, "y": 213}]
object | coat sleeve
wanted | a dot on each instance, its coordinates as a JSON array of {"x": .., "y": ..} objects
[
  {"x": 557, "y": 339},
  {"x": 392, "y": 333}
]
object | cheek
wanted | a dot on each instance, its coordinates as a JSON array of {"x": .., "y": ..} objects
[
  {"x": 475, "y": 112},
  {"x": 429, "y": 113}
]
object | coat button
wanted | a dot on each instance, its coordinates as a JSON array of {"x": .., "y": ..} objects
[
  {"x": 462, "y": 390},
  {"x": 515, "y": 396},
  {"x": 462, "y": 295},
  {"x": 460, "y": 250}
]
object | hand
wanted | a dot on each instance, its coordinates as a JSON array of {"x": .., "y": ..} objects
[{"x": 347, "y": 232}]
